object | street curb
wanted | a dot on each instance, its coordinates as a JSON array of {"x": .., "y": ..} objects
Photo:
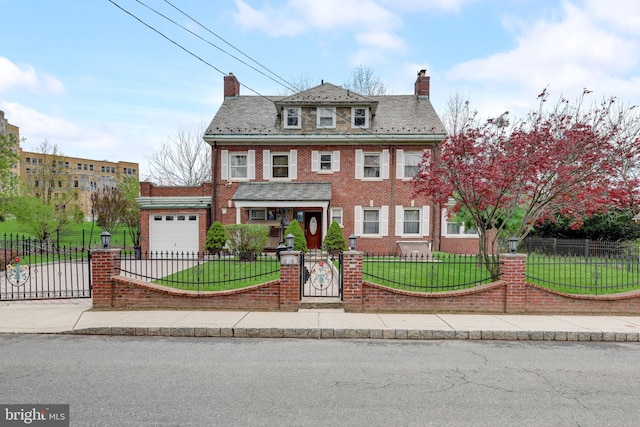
[{"x": 363, "y": 333}]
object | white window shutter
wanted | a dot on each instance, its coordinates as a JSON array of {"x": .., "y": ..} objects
[
  {"x": 266, "y": 164},
  {"x": 224, "y": 164},
  {"x": 384, "y": 221},
  {"x": 425, "y": 221},
  {"x": 399, "y": 220},
  {"x": 359, "y": 164},
  {"x": 385, "y": 164},
  {"x": 293, "y": 164},
  {"x": 315, "y": 161},
  {"x": 399, "y": 164},
  {"x": 336, "y": 161},
  {"x": 358, "y": 220},
  {"x": 251, "y": 164}
]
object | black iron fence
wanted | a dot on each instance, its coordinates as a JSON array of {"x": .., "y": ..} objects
[
  {"x": 429, "y": 273},
  {"x": 198, "y": 271},
  {"x": 576, "y": 247},
  {"x": 31, "y": 269},
  {"x": 590, "y": 275}
]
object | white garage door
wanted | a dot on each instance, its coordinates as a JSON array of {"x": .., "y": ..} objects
[{"x": 173, "y": 233}]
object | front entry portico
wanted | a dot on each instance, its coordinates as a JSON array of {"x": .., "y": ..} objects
[{"x": 276, "y": 204}]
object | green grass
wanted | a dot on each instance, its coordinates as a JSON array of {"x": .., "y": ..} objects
[
  {"x": 445, "y": 272},
  {"x": 584, "y": 276},
  {"x": 224, "y": 274},
  {"x": 85, "y": 234},
  {"x": 575, "y": 275}
]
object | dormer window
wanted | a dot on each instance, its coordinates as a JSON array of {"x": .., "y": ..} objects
[
  {"x": 292, "y": 118},
  {"x": 326, "y": 117},
  {"x": 360, "y": 117}
]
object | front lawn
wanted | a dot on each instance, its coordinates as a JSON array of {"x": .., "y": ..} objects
[{"x": 223, "y": 274}]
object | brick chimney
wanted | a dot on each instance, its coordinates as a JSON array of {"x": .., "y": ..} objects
[
  {"x": 231, "y": 86},
  {"x": 422, "y": 84}
]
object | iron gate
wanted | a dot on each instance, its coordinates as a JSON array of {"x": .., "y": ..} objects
[
  {"x": 320, "y": 275},
  {"x": 30, "y": 269}
]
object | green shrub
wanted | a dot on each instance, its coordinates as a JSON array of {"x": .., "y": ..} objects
[
  {"x": 334, "y": 242},
  {"x": 216, "y": 238},
  {"x": 299, "y": 242},
  {"x": 247, "y": 240}
]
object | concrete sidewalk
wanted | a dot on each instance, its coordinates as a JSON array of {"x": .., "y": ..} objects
[{"x": 76, "y": 317}]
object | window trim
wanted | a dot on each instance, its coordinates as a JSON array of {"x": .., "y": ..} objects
[
  {"x": 319, "y": 116},
  {"x": 444, "y": 228},
  {"x": 316, "y": 163},
  {"x": 423, "y": 221},
  {"x": 335, "y": 212},
  {"x": 267, "y": 165},
  {"x": 384, "y": 165},
  {"x": 383, "y": 221},
  {"x": 402, "y": 164},
  {"x": 252, "y": 217},
  {"x": 285, "y": 117},
  {"x": 225, "y": 167},
  {"x": 366, "y": 117}
]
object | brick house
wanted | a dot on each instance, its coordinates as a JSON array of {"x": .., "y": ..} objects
[{"x": 327, "y": 154}]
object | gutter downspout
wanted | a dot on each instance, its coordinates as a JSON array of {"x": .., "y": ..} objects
[{"x": 214, "y": 180}]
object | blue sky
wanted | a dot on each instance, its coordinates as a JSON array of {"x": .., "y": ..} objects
[{"x": 99, "y": 84}]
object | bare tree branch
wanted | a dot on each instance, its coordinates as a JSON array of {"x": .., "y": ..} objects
[{"x": 185, "y": 159}]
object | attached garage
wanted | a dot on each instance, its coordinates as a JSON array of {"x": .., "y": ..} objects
[
  {"x": 175, "y": 224},
  {"x": 177, "y": 233}
]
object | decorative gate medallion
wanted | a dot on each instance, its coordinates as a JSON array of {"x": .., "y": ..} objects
[
  {"x": 17, "y": 273},
  {"x": 321, "y": 275}
]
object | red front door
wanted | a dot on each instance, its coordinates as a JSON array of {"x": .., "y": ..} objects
[{"x": 313, "y": 229}]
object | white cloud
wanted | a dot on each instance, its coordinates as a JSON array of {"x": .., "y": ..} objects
[
  {"x": 579, "y": 50},
  {"x": 301, "y": 16},
  {"x": 372, "y": 23},
  {"x": 14, "y": 76},
  {"x": 430, "y": 5}
]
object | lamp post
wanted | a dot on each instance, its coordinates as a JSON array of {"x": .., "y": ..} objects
[
  {"x": 290, "y": 238},
  {"x": 352, "y": 242},
  {"x": 513, "y": 244},
  {"x": 105, "y": 239}
]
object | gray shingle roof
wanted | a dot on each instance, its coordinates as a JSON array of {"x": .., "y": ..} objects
[
  {"x": 283, "y": 191},
  {"x": 257, "y": 115}
]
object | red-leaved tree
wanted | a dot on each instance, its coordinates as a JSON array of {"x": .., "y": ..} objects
[{"x": 570, "y": 160}]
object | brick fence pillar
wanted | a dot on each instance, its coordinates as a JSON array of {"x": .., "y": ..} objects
[
  {"x": 513, "y": 268},
  {"x": 352, "y": 281},
  {"x": 289, "y": 281},
  {"x": 104, "y": 265}
]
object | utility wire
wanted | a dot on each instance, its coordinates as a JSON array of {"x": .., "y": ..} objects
[
  {"x": 208, "y": 42},
  {"x": 346, "y": 135},
  {"x": 287, "y": 84}
]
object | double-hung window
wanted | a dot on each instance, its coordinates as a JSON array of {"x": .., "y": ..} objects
[
  {"x": 336, "y": 215},
  {"x": 326, "y": 117},
  {"x": 412, "y": 221},
  {"x": 372, "y": 165},
  {"x": 325, "y": 161},
  {"x": 372, "y": 221},
  {"x": 279, "y": 165},
  {"x": 292, "y": 118},
  {"x": 237, "y": 165},
  {"x": 453, "y": 228},
  {"x": 360, "y": 117},
  {"x": 408, "y": 164}
]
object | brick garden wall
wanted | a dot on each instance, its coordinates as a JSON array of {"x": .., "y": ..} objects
[{"x": 510, "y": 295}]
